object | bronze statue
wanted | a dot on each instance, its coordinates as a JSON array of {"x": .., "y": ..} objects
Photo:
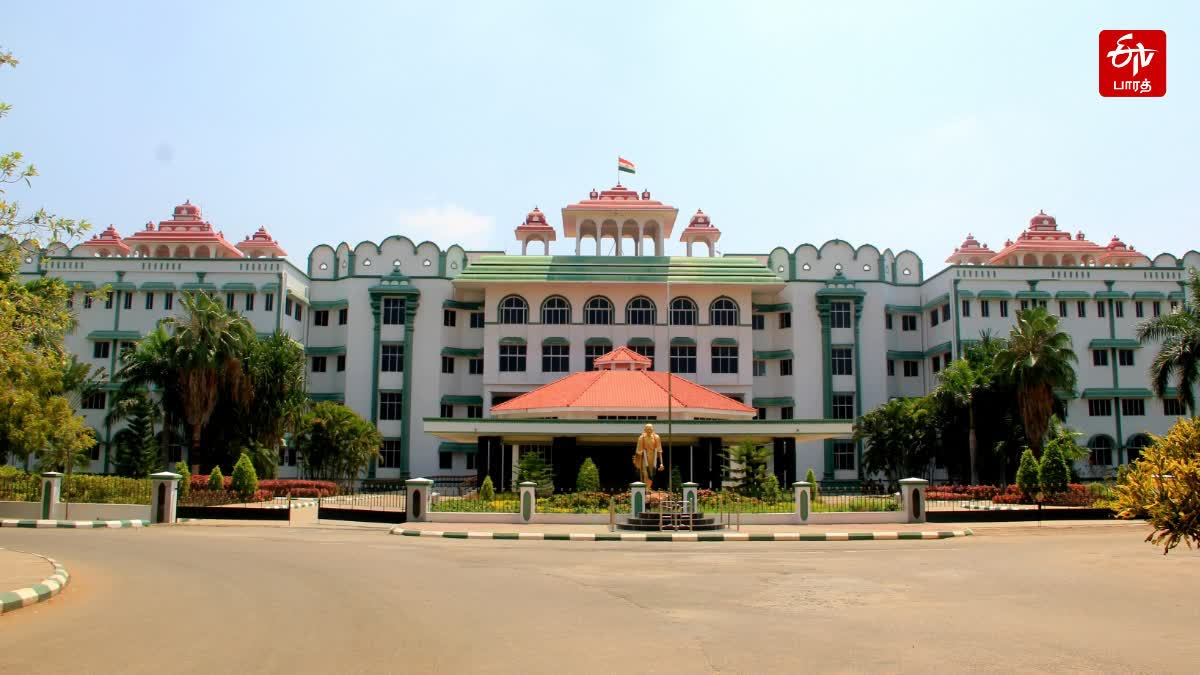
[{"x": 647, "y": 454}]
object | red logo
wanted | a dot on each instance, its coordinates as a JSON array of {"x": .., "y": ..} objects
[{"x": 1133, "y": 63}]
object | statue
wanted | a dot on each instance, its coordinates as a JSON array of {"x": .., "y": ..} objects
[{"x": 647, "y": 454}]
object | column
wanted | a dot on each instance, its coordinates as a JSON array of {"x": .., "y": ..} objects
[
  {"x": 691, "y": 496},
  {"x": 417, "y": 500},
  {"x": 51, "y": 494},
  {"x": 912, "y": 499},
  {"x": 528, "y": 501},
  {"x": 164, "y": 496},
  {"x": 637, "y": 498},
  {"x": 803, "y": 492},
  {"x": 637, "y": 250}
]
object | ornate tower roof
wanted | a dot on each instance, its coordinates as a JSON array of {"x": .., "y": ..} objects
[
  {"x": 106, "y": 244},
  {"x": 261, "y": 245}
]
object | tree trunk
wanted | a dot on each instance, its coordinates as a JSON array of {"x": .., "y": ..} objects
[{"x": 973, "y": 445}]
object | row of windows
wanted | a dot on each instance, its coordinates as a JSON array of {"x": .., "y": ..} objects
[
  {"x": 759, "y": 321},
  {"x": 1100, "y": 357},
  {"x": 1132, "y": 407},
  {"x": 760, "y": 368},
  {"x": 1063, "y": 307},
  {"x": 556, "y": 358},
  {"x": 168, "y": 301},
  {"x": 911, "y": 368},
  {"x": 321, "y": 317},
  {"x": 640, "y": 311},
  {"x": 450, "y": 318},
  {"x": 321, "y": 363},
  {"x": 473, "y": 411}
]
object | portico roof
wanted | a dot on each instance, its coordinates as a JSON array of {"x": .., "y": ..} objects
[{"x": 464, "y": 430}]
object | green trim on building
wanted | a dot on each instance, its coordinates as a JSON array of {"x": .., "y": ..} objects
[
  {"x": 462, "y": 400},
  {"x": 1110, "y": 295},
  {"x": 450, "y": 446},
  {"x": 1149, "y": 295},
  {"x": 1072, "y": 295},
  {"x": 1033, "y": 295},
  {"x": 328, "y": 304},
  {"x": 325, "y": 351},
  {"x": 640, "y": 342},
  {"x": 513, "y": 340},
  {"x": 157, "y": 286},
  {"x": 776, "y": 307},
  {"x": 198, "y": 286},
  {"x": 239, "y": 287},
  {"x": 1114, "y": 343},
  {"x": 459, "y": 304},
  {"x": 270, "y": 287},
  {"x": 81, "y": 285},
  {"x": 773, "y": 401},
  {"x": 905, "y": 355},
  {"x": 1176, "y": 295},
  {"x": 902, "y": 309},
  {"x": 683, "y": 342},
  {"x": 939, "y": 348},
  {"x": 556, "y": 341},
  {"x": 964, "y": 294},
  {"x": 994, "y": 295},
  {"x": 773, "y": 354},
  {"x": 121, "y": 286},
  {"x": 936, "y": 302},
  {"x": 1097, "y": 392},
  {"x": 595, "y": 341},
  {"x": 102, "y": 335},
  {"x": 462, "y": 352},
  {"x": 623, "y": 269},
  {"x": 724, "y": 342},
  {"x": 335, "y": 396}
]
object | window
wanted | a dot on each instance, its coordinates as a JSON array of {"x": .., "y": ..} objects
[
  {"x": 760, "y": 413},
  {"x": 389, "y": 455},
  {"x": 108, "y": 300},
  {"x": 590, "y": 352},
  {"x": 449, "y": 318},
  {"x": 393, "y": 311},
  {"x": 843, "y": 455},
  {"x": 127, "y": 346},
  {"x": 1125, "y": 357},
  {"x": 598, "y": 312},
  {"x": 445, "y": 460},
  {"x": 966, "y": 308},
  {"x": 1172, "y": 407},
  {"x": 343, "y": 316},
  {"x": 389, "y": 405},
  {"x": 1102, "y": 451},
  {"x": 640, "y": 312},
  {"x": 785, "y": 367},
  {"x": 475, "y": 367},
  {"x": 1100, "y": 309},
  {"x": 299, "y": 311},
  {"x": 887, "y": 321},
  {"x": 1139, "y": 309},
  {"x": 318, "y": 364},
  {"x": 512, "y": 358},
  {"x": 933, "y": 318},
  {"x": 760, "y": 368},
  {"x": 1062, "y": 309},
  {"x": 555, "y": 358},
  {"x": 912, "y": 369},
  {"x": 475, "y": 412},
  {"x": 87, "y": 301},
  {"x": 391, "y": 358},
  {"x": 229, "y": 301},
  {"x": 248, "y": 305},
  {"x": 646, "y": 351},
  {"x": 1081, "y": 309},
  {"x": 723, "y": 312},
  {"x": 946, "y": 312},
  {"x": 1155, "y": 308},
  {"x": 842, "y": 362},
  {"x": 757, "y": 322},
  {"x": 341, "y": 363},
  {"x": 514, "y": 309},
  {"x": 556, "y": 310},
  {"x": 935, "y": 363},
  {"x": 891, "y": 368},
  {"x": 149, "y": 301},
  {"x": 448, "y": 365},
  {"x": 446, "y": 412},
  {"x": 1099, "y": 407},
  {"x": 787, "y": 412},
  {"x": 684, "y": 312},
  {"x": 476, "y": 319},
  {"x": 1004, "y": 308},
  {"x": 1133, "y": 407},
  {"x": 1174, "y": 306},
  {"x": 843, "y": 406},
  {"x": 1119, "y": 309},
  {"x": 985, "y": 308},
  {"x": 839, "y": 315},
  {"x": 470, "y": 461},
  {"x": 127, "y": 298},
  {"x": 101, "y": 350},
  {"x": 268, "y": 301},
  {"x": 1100, "y": 357},
  {"x": 908, "y": 322},
  {"x": 785, "y": 320},
  {"x": 94, "y": 401},
  {"x": 724, "y": 359},
  {"x": 683, "y": 358},
  {"x": 321, "y": 317}
]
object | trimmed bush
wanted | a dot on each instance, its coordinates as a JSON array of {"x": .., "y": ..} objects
[
  {"x": 532, "y": 467},
  {"x": 1028, "y": 475},
  {"x": 811, "y": 478},
  {"x": 770, "y": 490},
  {"x": 215, "y": 480},
  {"x": 245, "y": 480},
  {"x": 1054, "y": 473},
  {"x": 588, "y": 479},
  {"x": 487, "y": 491},
  {"x": 185, "y": 480}
]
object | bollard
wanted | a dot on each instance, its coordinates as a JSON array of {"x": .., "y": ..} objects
[
  {"x": 164, "y": 496},
  {"x": 528, "y": 501},
  {"x": 51, "y": 494},
  {"x": 691, "y": 497},
  {"x": 637, "y": 498},
  {"x": 912, "y": 499},
  {"x": 803, "y": 490},
  {"x": 417, "y": 501}
]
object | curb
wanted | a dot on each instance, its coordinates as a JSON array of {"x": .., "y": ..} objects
[
  {"x": 687, "y": 536},
  {"x": 31, "y": 595},
  {"x": 75, "y": 524}
]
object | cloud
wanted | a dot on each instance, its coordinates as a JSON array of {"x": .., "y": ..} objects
[{"x": 448, "y": 224}]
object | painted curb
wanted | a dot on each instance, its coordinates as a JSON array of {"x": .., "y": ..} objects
[
  {"x": 75, "y": 524},
  {"x": 41, "y": 592},
  {"x": 686, "y": 536}
]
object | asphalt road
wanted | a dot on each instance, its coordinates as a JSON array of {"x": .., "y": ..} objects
[{"x": 211, "y": 599}]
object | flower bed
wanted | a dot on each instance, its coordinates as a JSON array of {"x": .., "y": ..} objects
[
  {"x": 277, "y": 487},
  {"x": 1077, "y": 494}
]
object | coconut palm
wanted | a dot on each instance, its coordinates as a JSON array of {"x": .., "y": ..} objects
[
  {"x": 898, "y": 437},
  {"x": 1179, "y": 350},
  {"x": 1037, "y": 360},
  {"x": 151, "y": 365}
]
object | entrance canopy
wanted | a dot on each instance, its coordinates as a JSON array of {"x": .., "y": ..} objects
[{"x": 626, "y": 431}]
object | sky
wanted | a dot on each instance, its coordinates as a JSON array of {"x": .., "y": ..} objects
[{"x": 899, "y": 124}]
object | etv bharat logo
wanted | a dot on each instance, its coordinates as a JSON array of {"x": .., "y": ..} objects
[{"x": 1133, "y": 63}]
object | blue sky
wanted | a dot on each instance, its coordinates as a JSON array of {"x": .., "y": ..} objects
[{"x": 905, "y": 125}]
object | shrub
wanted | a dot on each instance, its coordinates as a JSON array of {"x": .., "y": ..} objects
[
  {"x": 1054, "y": 473},
  {"x": 1164, "y": 487},
  {"x": 588, "y": 479},
  {"x": 749, "y": 467},
  {"x": 487, "y": 491},
  {"x": 215, "y": 480},
  {"x": 185, "y": 480},
  {"x": 245, "y": 480},
  {"x": 770, "y": 490},
  {"x": 811, "y": 478},
  {"x": 676, "y": 480},
  {"x": 89, "y": 489},
  {"x": 1028, "y": 475},
  {"x": 282, "y": 487},
  {"x": 532, "y": 467}
]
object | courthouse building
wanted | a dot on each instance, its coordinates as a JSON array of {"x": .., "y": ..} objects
[{"x": 465, "y": 359}]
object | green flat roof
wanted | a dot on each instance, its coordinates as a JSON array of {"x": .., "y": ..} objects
[
  {"x": 121, "y": 286},
  {"x": 336, "y": 396},
  {"x": 1033, "y": 295},
  {"x": 512, "y": 340},
  {"x": 1118, "y": 343},
  {"x": 777, "y": 307},
  {"x": 994, "y": 295},
  {"x": 157, "y": 286},
  {"x": 905, "y": 356},
  {"x": 114, "y": 335},
  {"x": 1117, "y": 393},
  {"x": 1148, "y": 295},
  {"x": 81, "y": 285},
  {"x": 724, "y": 342},
  {"x": 272, "y": 286},
  {"x": 556, "y": 341},
  {"x": 459, "y": 304},
  {"x": 239, "y": 286},
  {"x": 938, "y": 349},
  {"x": 328, "y": 304},
  {"x": 462, "y": 400},
  {"x": 1072, "y": 295},
  {"x": 683, "y": 341},
  {"x": 1110, "y": 295},
  {"x": 198, "y": 286},
  {"x": 773, "y": 354},
  {"x": 727, "y": 270},
  {"x": 772, "y": 401},
  {"x": 902, "y": 309},
  {"x": 462, "y": 351},
  {"x": 640, "y": 341},
  {"x": 939, "y": 300},
  {"x": 1176, "y": 295},
  {"x": 598, "y": 341},
  {"x": 964, "y": 294},
  {"x": 325, "y": 351}
]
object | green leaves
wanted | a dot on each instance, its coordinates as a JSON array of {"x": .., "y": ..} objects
[
  {"x": 335, "y": 443},
  {"x": 1178, "y": 355},
  {"x": 1038, "y": 359}
]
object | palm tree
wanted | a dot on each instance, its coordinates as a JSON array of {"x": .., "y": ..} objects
[
  {"x": 1038, "y": 359},
  {"x": 1179, "y": 351},
  {"x": 152, "y": 366},
  {"x": 898, "y": 436},
  {"x": 137, "y": 455}
]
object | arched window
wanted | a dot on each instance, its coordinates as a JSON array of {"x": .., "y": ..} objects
[
  {"x": 1102, "y": 450},
  {"x": 1133, "y": 449},
  {"x": 556, "y": 309},
  {"x": 640, "y": 312},
  {"x": 723, "y": 312},
  {"x": 514, "y": 309},
  {"x": 684, "y": 312},
  {"x": 598, "y": 312}
]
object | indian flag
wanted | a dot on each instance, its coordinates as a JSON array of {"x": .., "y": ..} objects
[{"x": 625, "y": 165}]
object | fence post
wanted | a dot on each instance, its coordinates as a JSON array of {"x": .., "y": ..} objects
[
  {"x": 637, "y": 498},
  {"x": 164, "y": 496},
  {"x": 803, "y": 490},
  {"x": 416, "y": 502},
  {"x": 912, "y": 499},
  {"x": 51, "y": 494},
  {"x": 528, "y": 500},
  {"x": 691, "y": 497}
]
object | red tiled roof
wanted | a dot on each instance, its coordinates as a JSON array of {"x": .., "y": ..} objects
[
  {"x": 622, "y": 390},
  {"x": 622, "y": 355}
]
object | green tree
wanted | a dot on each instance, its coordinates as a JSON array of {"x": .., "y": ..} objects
[
  {"x": 137, "y": 444},
  {"x": 335, "y": 443},
  {"x": 1054, "y": 473},
  {"x": 959, "y": 384},
  {"x": 1038, "y": 360},
  {"x": 245, "y": 480},
  {"x": 532, "y": 467},
  {"x": 275, "y": 366},
  {"x": 588, "y": 479},
  {"x": 153, "y": 363},
  {"x": 748, "y": 466},
  {"x": 899, "y": 438},
  {"x": 1029, "y": 476},
  {"x": 487, "y": 491},
  {"x": 215, "y": 480},
  {"x": 185, "y": 480},
  {"x": 1178, "y": 335},
  {"x": 1164, "y": 487},
  {"x": 810, "y": 477}
]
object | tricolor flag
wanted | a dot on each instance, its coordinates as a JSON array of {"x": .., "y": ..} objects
[{"x": 625, "y": 165}]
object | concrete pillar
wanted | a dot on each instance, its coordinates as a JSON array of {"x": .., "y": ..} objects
[
  {"x": 637, "y": 498},
  {"x": 164, "y": 496},
  {"x": 641, "y": 240},
  {"x": 689, "y": 248},
  {"x": 578, "y": 240},
  {"x": 803, "y": 490},
  {"x": 51, "y": 494},
  {"x": 528, "y": 501},
  {"x": 691, "y": 497},
  {"x": 912, "y": 499},
  {"x": 417, "y": 500}
]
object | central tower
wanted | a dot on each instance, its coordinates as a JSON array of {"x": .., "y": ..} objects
[{"x": 620, "y": 214}]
